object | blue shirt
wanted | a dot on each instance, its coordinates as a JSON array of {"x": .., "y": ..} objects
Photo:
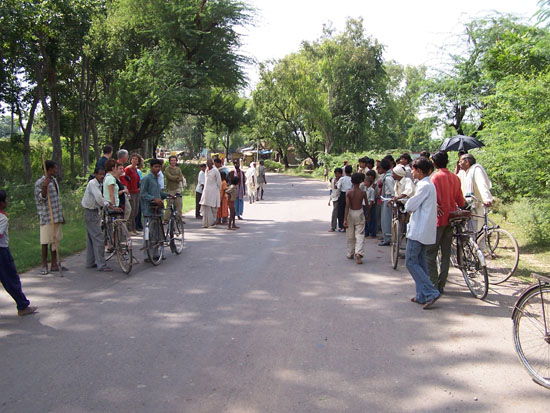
[{"x": 150, "y": 189}]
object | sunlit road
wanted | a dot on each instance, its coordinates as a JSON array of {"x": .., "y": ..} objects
[{"x": 269, "y": 318}]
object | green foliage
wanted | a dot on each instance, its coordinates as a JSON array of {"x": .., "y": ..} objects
[
  {"x": 533, "y": 217},
  {"x": 273, "y": 165}
]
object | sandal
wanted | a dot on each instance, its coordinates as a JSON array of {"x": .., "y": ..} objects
[
  {"x": 414, "y": 300},
  {"x": 44, "y": 271},
  {"x": 57, "y": 269}
]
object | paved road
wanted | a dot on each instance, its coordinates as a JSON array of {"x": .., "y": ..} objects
[{"x": 271, "y": 318}]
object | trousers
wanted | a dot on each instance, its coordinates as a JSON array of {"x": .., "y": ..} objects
[
  {"x": 443, "y": 241},
  {"x": 354, "y": 233},
  {"x": 95, "y": 241},
  {"x": 10, "y": 279}
]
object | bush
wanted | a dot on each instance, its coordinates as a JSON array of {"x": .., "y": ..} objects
[
  {"x": 273, "y": 165},
  {"x": 533, "y": 217}
]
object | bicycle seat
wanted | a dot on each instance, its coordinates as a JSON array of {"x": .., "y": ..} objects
[{"x": 459, "y": 215}]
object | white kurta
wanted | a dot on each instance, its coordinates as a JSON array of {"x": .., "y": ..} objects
[
  {"x": 212, "y": 185},
  {"x": 475, "y": 181}
]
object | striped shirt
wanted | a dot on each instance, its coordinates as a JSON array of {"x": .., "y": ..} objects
[{"x": 42, "y": 203}]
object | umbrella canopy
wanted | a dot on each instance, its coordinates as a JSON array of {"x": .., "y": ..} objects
[{"x": 460, "y": 143}]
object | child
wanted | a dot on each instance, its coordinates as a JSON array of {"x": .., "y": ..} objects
[
  {"x": 334, "y": 195},
  {"x": 370, "y": 208},
  {"x": 354, "y": 219},
  {"x": 421, "y": 232},
  {"x": 8, "y": 273},
  {"x": 222, "y": 210},
  {"x": 232, "y": 196}
]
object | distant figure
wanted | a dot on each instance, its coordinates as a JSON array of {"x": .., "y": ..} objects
[
  {"x": 107, "y": 154},
  {"x": 132, "y": 181},
  {"x": 334, "y": 197},
  {"x": 251, "y": 182},
  {"x": 210, "y": 201},
  {"x": 386, "y": 192},
  {"x": 198, "y": 190},
  {"x": 8, "y": 273},
  {"x": 175, "y": 182},
  {"x": 223, "y": 210},
  {"x": 262, "y": 181},
  {"x": 344, "y": 185},
  {"x": 231, "y": 197},
  {"x": 370, "y": 208},
  {"x": 241, "y": 191}
]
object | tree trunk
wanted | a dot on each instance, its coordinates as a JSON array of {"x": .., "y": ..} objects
[
  {"x": 72, "y": 142},
  {"x": 27, "y": 170},
  {"x": 93, "y": 126},
  {"x": 84, "y": 116}
]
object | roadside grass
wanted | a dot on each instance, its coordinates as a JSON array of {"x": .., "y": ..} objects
[{"x": 25, "y": 239}]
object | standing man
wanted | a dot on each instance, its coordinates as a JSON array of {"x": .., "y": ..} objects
[
  {"x": 241, "y": 191},
  {"x": 261, "y": 180},
  {"x": 122, "y": 156},
  {"x": 449, "y": 198},
  {"x": 475, "y": 181},
  {"x": 387, "y": 192},
  {"x": 343, "y": 185},
  {"x": 132, "y": 184},
  {"x": 107, "y": 154},
  {"x": 210, "y": 201},
  {"x": 93, "y": 203},
  {"x": 175, "y": 182},
  {"x": 42, "y": 187},
  {"x": 198, "y": 190},
  {"x": 151, "y": 193},
  {"x": 421, "y": 232}
]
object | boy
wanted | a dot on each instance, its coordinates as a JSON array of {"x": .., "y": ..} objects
[
  {"x": 232, "y": 196},
  {"x": 344, "y": 184},
  {"x": 354, "y": 219},
  {"x": 8, "y": 273},
  {"x": 334, "y": 195},
  {"x": 421, "y": 232},
  {"x": 370, "y": 207}
]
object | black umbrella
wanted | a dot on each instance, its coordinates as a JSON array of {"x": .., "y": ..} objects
[{"x": 460, "y": 143}]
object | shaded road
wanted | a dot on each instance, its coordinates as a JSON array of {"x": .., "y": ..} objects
[{"x": 269, "y": 318}]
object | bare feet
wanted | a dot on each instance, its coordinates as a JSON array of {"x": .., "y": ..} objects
[{"x": 358, "y": 258}]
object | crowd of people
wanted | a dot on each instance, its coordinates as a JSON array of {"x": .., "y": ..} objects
[
  {"x": 120, "y": 186},
  {"x": 362, "y": 208}
]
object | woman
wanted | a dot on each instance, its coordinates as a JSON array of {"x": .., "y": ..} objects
[
  {"x": 132, "y": 180},
  {"x": 223, "y": 211}
]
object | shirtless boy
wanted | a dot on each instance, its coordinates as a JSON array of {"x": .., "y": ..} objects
[{"x": 354, "y": 219}]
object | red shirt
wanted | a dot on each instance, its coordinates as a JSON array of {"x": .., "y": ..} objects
[
  {"x": 133, "y": 183},
  {"x": 449, "y": 194}
]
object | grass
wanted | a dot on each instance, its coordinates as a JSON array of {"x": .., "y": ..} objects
[{"x": 25, "y": 239}]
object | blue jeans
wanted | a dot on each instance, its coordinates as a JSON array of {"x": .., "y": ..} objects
[
  {"x": 415, "y": 260},
  {"x": 10, "y": 279},
  {"x": 239, "y": 207}
]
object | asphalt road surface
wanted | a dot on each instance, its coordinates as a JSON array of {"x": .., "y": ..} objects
[{"x": 269, "y": 318}]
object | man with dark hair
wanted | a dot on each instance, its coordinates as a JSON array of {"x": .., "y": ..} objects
[
  {"x": 344, "y": 184},
  {"x": 362, "y": 165},
  {"x": 151, "y": 194},
  {"x": 175, "y": 182},
  {"x": 387, "y": 192},
  {"x": 421, "y": 232},
  {"x": 45, "y": 187},
  {"x": 334, "y": 196},
  {"x": 449, "y": 198},
  {"x": 107, "y": 153},
  {"x": 405, "y": 160}
]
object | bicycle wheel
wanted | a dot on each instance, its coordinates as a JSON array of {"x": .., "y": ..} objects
[
  {"x": 470, "y": 261},
  {"x": 155, "y": 244},
  {"x": 176, "y": 232},
  {"x": 394, "y": 245},
  {"x": 109, "y": 234},
  {"x": 501, "y": 253},
  {"x": 123, "y": 247},
  {"x": 532, "y": 333}
]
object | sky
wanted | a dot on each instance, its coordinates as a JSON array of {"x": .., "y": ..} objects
[{"x": 413, "y": 32}]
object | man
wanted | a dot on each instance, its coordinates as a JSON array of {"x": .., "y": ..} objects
[
  {"x": 44, "y": 187},
  {"x": 210, "y": 201},
  {"x": 122, "y": 156},
  {"x": 198, "y": 190},
  {"x": 93, "y": 203},
  {"x": 404, "y": 186},
  {"x": 387, "y": 192},
  {"x": 251, "y": 182},
  {"x": 406, "y": 160},
  {"x": 219, "y": 164},
  {"x": 261, "y": 181},
  {"x": 474, "y": 181},
  {"x": 107, "y": 153},
  {"x": 449, "y": 198},
  {"x": 151, "y": 193},
  {"x": 175, "y": 182},
  {"x": 344, "y": 185},
  {"x": 133, "y": 179},
  {"x": 241, "y": 191}
]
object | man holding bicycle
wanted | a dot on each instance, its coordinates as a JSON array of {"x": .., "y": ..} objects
[{"x": 151, "y": 196}]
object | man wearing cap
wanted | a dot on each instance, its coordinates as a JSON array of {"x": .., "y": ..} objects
[{"x": 404, "y": 186}]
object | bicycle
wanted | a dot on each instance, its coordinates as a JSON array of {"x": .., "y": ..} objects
[
  {"x": 117, "y": 238},
  {"x": 469, "y": 257},
  {"x": 531, "y": 329},
  {"x": 499, "y": 247},
  {"x": 156, "y": 238},
  {"x": 400, "y": 218}
]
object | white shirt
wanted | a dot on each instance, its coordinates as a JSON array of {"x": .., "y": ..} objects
[
  {"x": 344, "y": 184},
  {"x": 211, "y": 194},
  {"x": 475, "y": 181},
  {"x": 200, "y": 182},
  {"x": 334, "y": 191},
  {"x": 160, "y": 180},
  {"x": 93, "y": 199},
  {"x": 404, "y": 186},
  {"x": 423, "y": 205}
]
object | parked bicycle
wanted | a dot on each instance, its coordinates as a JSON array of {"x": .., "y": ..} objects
[
  {"x": 117, "y": 238},
  {"x": 400, "y": 218},
  {"x": 531, "y": 329},
  {"x": 156, "y": 238},
  {"x": 468, "y": 256},
  {"x": 499, "y": 247}
]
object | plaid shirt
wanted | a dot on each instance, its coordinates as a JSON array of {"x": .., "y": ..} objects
[{"x": 42, "y": 203}]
